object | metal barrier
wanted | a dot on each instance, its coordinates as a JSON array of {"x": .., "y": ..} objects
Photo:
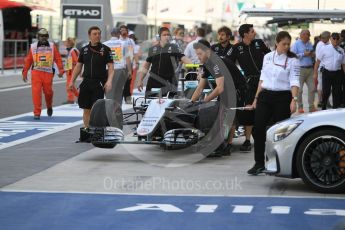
[{"x": 13, "y": 53}]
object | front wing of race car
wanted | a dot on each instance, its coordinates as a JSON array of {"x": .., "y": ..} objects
[{"x": 109, "y": 137}]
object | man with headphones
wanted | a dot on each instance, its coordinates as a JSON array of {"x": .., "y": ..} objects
[
  {"x": 163, "y": 59},
  {"x": 40, "y": 59}
]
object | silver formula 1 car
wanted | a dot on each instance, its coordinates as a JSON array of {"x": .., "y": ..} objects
[
  {"x": 312, "y": 147},
  {"x": 172, "y": 122}
]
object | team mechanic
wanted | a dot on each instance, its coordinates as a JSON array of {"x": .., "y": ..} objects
[
  {"x": 163, "y": 59},
  {"x": 223, "y": 46},
  {"x": 212, "y": 68},
  {"x": 96, "y": 78},
  {"x": 249, "y": 53}
]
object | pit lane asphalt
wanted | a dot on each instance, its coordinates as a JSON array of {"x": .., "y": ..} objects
[
  {"x": 57, "y": 163},
  {"x": 65, "y": 183}
]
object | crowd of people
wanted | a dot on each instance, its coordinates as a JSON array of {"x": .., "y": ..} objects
[{"x": 269, "y": 84}]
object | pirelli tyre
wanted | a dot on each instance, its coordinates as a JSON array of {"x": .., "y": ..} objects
[
  {"x": 321, "y": 161},
  {"x": 106, "y": 123}
]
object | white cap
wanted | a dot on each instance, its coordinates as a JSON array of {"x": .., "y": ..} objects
[
  {"x": 43, "y": 31},
  {"x": 130, "y": 32}
]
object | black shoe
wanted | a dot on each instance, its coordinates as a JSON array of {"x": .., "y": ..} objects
[
  {"x": 227, "y": 150},
  {"x": 246, "y": 146},
  {"x": 68, "y": 102},
  {"x": 256, "y": 169},
  {"x": 50, "y": 112},
  {"x": 215, "y": 154},
  {"x": 37, "y": 117}
]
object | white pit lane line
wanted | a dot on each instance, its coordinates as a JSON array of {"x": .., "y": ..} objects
[{"x": 9, "y": 126}]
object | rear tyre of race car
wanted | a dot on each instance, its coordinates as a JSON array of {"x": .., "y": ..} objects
[
  {"x": 106, "y": 123},
  {"x": 320, "y": 161}
]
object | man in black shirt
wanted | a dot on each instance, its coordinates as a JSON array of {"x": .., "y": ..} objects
[
  {"x": 223, "y": 46},
  {"x": 97, "y": 79},
  {"x": 163, "y": 59},
  {"x": 249, "y": 53}
]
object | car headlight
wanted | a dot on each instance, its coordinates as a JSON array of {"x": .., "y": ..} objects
[{"x": 285, "y": 130}]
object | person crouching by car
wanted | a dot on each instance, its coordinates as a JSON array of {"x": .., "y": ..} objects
[
  {"x": 212, "y": 65},
  {"x": 276, "y": 96}
]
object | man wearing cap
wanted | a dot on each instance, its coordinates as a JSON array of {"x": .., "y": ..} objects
[
  {"x": 333, "y": 59},
  {"x": 122, "y": 65},
  {"x": 40, "y": 59}
]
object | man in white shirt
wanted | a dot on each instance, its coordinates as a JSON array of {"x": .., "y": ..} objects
[
  {"x": 324, "y": 40},
  {"x": 122, "y": 65},
  {"x": 189, "y": 52},
  {"x": 333, "y": 59}
]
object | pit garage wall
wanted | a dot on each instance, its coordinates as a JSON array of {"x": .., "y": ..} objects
[{"x": 82, "y": 26}]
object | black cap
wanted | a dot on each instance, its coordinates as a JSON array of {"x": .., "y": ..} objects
[
  {"x": 335, "y": 35},
  {"x": 115, "y": 31}
]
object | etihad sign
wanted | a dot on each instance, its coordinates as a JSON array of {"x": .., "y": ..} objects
[{"x": 90, "y": 12}]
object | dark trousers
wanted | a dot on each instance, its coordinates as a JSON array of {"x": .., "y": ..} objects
[
  {"x": 126, "y": 89},
  {"x": 271, "y": 106},
  {"x": 343, "y": 89},
  {"x": 247, "y": 117},
  {"x": 331, "y": 80}
]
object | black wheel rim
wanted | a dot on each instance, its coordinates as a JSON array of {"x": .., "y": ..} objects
[{"x": 324, "y": 161}]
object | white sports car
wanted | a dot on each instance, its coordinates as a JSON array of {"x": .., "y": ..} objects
[{"x": 309, "y": 146}]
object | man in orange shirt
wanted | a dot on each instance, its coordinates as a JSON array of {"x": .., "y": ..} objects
[
  {"x": 40, "y": 59},
  {"x": 71, "y": 61}
]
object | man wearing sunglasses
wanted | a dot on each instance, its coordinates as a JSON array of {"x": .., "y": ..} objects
[
  {"x": 333, "y": 59},
  {"x": 40, "y": 59}
]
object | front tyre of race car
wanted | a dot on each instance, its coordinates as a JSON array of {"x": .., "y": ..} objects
[
  {"x": 106, "y": 123},
  {"x": 181, "y": 138}
]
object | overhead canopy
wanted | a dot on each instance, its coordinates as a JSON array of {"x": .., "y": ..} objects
[
  {"x": 288, "y": 17},
  {"x": 11, "y": 4}
]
